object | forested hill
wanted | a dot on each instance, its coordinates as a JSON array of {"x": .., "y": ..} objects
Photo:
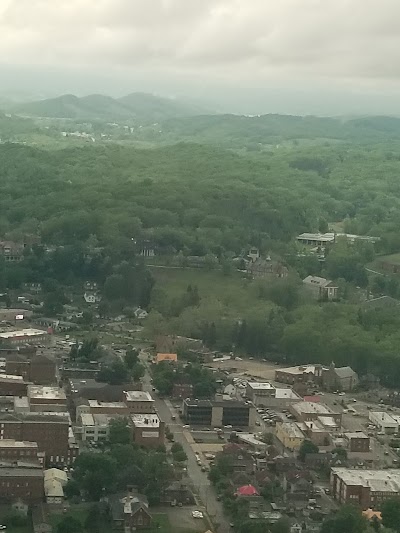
[
  {"x": 196, "y": 199},
  {"x": 141, "y": 107},
  {"x": 253, "y": 132}
]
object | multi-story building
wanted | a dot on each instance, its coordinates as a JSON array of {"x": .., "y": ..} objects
[
  {"x": 290, "y": 435},
  {"x": 265, "y": 394},
  {"x": 218, "y": 413},
  {"x": 308, "y": 411},
  {"x": 24, "y": 336},
  {"x": 11, "y": 385},
  {"x": 321, "y": 288},
  {"x": 24, "y": 483},
  {"x": 357, "y": 442},
  {"x": 49, "y": 431},
  {"x": 95, "y": 407},
  {"x": 12, "y": 450},
  {"x": 139, "y": 402},
  {"x": 366, "y": 488},
  {"x": 42, "y": 398},
  {"x": 299, "y": 374},
  {"x": 95, "y": 427},
  {"x": 182, "y": 390},
  {"x": 148, "y": 430},
  {"x": 40, "y": 369}
]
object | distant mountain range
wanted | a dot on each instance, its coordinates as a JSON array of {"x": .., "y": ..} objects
[{"x": 139, "y": 107}]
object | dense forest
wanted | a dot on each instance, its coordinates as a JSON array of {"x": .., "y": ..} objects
[{"x": 93, "y": 207}]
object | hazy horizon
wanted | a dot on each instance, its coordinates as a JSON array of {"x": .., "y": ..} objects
[{"x": 292, "y": 56}]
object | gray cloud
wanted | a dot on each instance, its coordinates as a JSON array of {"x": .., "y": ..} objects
[{"x": 258, "y": 40}]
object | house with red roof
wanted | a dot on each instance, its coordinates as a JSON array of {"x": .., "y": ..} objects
[{"x": 246, "y": 491}]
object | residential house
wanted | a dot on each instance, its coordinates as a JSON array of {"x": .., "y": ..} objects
[
  {"x": 290, "y": 435},
  {"x": 140, "y": 314},
  {"x": 178, "y": 492},
  {"x": 92, "y": 297},
  {"x": 266, "y": 268},
  {"x": 321, "y": 288},
  {"x": 131, "y": 512},
  {"x": 11, "y": 251},
  {"x": 168, "y": 357}
]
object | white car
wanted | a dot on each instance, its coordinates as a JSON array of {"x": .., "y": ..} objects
[
  {"x": 342, "y": 394},
  {"x": 197, "y": 514}
]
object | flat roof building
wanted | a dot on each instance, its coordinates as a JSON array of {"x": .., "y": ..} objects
[
  {"x": 139, "y": 401},
  {"x": 366, "y": 488},
  {"x": 148, "y": 430},
  {"x": 24, "y": 336},
  {"x": 316, "y": 239},
  {"x": 384, "y": 421},
  {"x": 42, "y": 398},
  {"x": 309, "y": 411}
]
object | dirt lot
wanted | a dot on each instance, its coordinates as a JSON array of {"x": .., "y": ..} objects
[{"x": 257, "y": 369}]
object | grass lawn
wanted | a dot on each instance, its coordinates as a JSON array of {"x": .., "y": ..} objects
[
  {"x": 23, "y": 529},
  {"x": 236, "y": 293},
  {"x": 79, "y": 512}
]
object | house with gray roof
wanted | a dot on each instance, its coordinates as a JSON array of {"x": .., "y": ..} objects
[{"x": 343, "y": 378}]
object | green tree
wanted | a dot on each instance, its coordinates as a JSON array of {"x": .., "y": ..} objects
[
  {"x": 131, "y": 358},
  {"x": 391, "y": 514},
  {"x": 93, "y": 521},
  {"x": 72, "y": 489},
  {"x": 69, "y": 524},
  {"x": 348, "y": 518},
  {"x": 281, "y": 526},
  {"x": 120, "y": 432},
  {"x": 307, "y": 447}
]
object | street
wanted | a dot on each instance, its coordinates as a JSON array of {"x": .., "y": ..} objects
[{"x": 199, "y": 479}]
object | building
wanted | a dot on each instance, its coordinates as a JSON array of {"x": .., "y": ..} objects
[
  {"x": 49, "y": 431},
  {"x": 309, "y": 411},
  {"x": 218, "y": 413},
  {"x": 94, "y": 427},
  {"x": 24, "y": 483},
  {"x": 139, "y": 402},
  {"x": 40, "y": 369},
  {"x": 24, "y": 336},
  {"x": 148, "y": 430},
  {"x": 266, "y": 268},
  {"x": 12, "y": 252},
  {"x": 319, "y": 431},
  {"x": 54, "y": 483},
  {"x": 357, "y": 442},
  {"x": 321, "y": 288},
  {"x": 316, "y": 239},
  {"x": 366, "y": 488},
  {"x": 11, "y": 385},
  {"x": 384, "y": 421},
  {"x": 95, "y": 407},
  {"x": 299, "y": 374},
  {"x": 131, "y": 512},
  {"x": 43, "y": 398},
  {"x": 182, "y": 390},
  {"x": 290, "y": 435},
  {"x": 168, "y": 357},
  {"x": 342, "y": 379},
  {"x": 389, "y": 263},
  {"x": 12, "y": 450},
  {"x": 265, "y": 394}
]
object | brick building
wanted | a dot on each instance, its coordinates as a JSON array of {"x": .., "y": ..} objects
[
  {"x": 139, "y": 402},
  {"x": 366, "y": 488},
  {"x": 47, "y": 399},
  {"x": 12, "y": 450},
  {"x": 21, "y": 483},
  {"x": 49, "y": 431},
  {"x": 24, "y": 336},
  {"x": 148, "y": 430},
  {"x": 40, "y": 369},
  {"x": 299, "y": 374},
  {"x": 181, "y": 391},
  {"x": 11, "y": 385},
  {"x": 357, "y": 442}
]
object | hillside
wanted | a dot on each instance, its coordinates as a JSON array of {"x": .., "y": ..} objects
[{"x": 139, "y": 107}]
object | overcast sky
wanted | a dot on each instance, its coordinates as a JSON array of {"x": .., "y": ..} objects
[{"x": 318, "y": 47}]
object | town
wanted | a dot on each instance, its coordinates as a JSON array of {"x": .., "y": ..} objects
[{"x": 223, "y": 442}]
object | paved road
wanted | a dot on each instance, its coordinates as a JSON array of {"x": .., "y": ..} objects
[{"x": 199, "y": 479}]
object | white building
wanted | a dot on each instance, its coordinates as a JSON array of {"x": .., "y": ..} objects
[
  {"x": 384, "y": 421},
  {"x": 266, "y": 394},
  {"x": 95, "y": 427},
  {"x": 24, "y": 336}
]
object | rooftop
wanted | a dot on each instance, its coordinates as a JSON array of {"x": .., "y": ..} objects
[
  {"x": 376, "y": 480},
  {"x": 111, "y": 405},
  {"x": 312, "y": 407},
  {"x": 298, "y": 370},
  {"x": 21, "y": 472},
  {"x": 384, "y": 417},
  {"x": 49, "y": 393},
  {"x": 326, "y": 237},
  {"x": 356, "y": 435},
  {"x": 11, "y": 443},
  {"x": 255, "y": 385},
  {"x": 138, "y": 396},
  {"x": 145, "y": 421},
  {"x": 11, "y": 378},
  {"x": 289, "y": 394},
  {"x": 317, "y": 281},
  {"x": 167, "y": 357},
  {"x": 292, "y": 430},
  {"x": 29, "y": 332}
]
